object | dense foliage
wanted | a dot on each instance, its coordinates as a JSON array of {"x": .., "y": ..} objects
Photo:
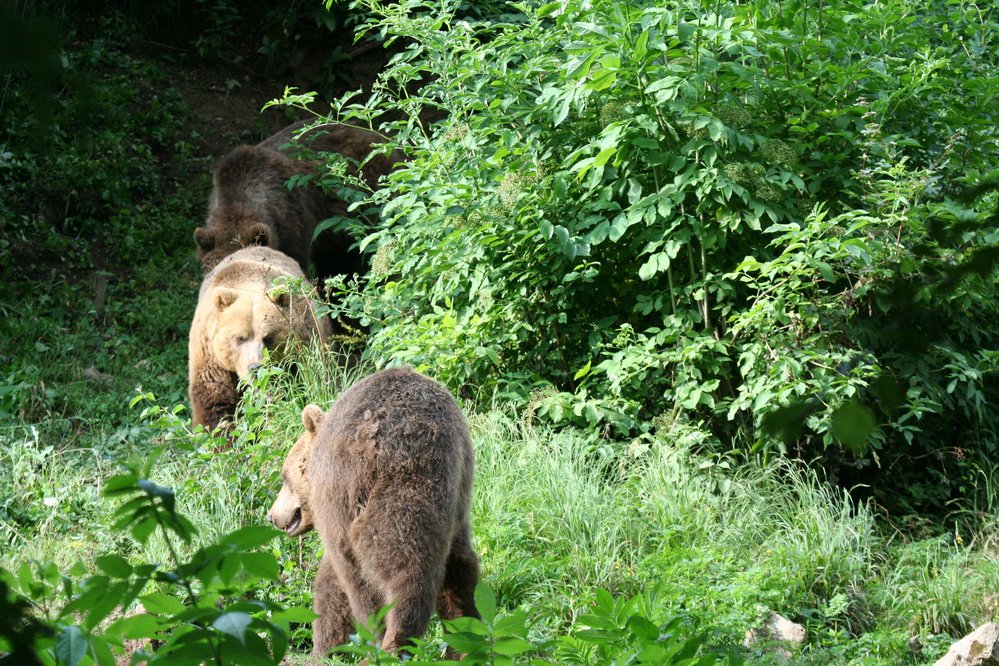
[{"x": 641, "y": 213}]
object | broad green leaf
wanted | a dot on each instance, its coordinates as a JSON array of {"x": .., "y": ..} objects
[
  {"x": 71, "y": 646},
  {"x": 110, "y": 598},
  {"x": 512, "y": 646},
  {"x": 120, "y": 483},
  {"x": 135, "y": 626},
  {"x": 114, "y": 566},
  {"x": 514, "y": 624},
  {"x": 463, "y": 642},
  {"x": 643, "y": 628},
  {"x": 251, "y": 537},
  {"x": 852, "y": 424},
  {"x": 233, "y": 624},
  {"x": 261, "y": 565},
  {"x": 296, "y": 614},
  {"x": 162, "y": 604},
  {"x": 143, "y": 529},
  {"x": 485, "y": 602}
]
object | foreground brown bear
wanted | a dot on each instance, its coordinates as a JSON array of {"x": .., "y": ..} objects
[
  {"x": 385, "y": 477},
  {"x": 234, "y": 322},
  {"x": 251, "y": 204}
]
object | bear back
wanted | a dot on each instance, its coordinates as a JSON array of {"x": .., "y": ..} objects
[{"x": 396, "y": 429}]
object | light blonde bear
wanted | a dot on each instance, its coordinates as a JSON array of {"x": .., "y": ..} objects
[{"x": 235, "y": 321}]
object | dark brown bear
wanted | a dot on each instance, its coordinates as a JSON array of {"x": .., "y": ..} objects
[
  {"x": 251, "y": 204},
  {"x": 385, "y": 477}
]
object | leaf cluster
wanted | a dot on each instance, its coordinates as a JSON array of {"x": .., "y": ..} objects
[{"x": 694, "y": 211}]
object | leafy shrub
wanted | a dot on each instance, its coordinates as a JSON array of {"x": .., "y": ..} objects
[
  {"x": 700, "y": 212},
  {"x": 205, "y": 609}
]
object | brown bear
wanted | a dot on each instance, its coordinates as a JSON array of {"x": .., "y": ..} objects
[
  {"x": 385, "y": 477},
  {"x": 251, "y": 204},
  {"x": 235, "y": 320}
]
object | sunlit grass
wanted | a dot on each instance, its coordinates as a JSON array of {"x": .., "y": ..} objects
[{"x": 555, "y": 517}]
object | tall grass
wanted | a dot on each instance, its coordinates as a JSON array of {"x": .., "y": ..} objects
[{"x": 556, "y": 515}]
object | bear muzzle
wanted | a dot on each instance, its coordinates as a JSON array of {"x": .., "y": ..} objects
[
  {"x": 251, "y": 355},
  {"x": 286, "y": 514}
]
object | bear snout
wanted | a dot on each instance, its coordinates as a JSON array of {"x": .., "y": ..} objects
[{"x": 251, "y": 355}]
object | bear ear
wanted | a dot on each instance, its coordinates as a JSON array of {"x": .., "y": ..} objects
[
  {"x": 282, "y": 300},
  {"x": 259, "y": 234},
  {"x": 312, "y": 418},
  {"x": 225, "y": 297},
  {"x": 204, "y": 239}
]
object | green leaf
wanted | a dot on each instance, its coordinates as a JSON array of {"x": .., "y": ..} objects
[
  {"x": 251, "y": 537},
  {"x": 547, "y": 10},
  {"x": 466, "y": 625},
  {"x": 585, "y": 370},
  {"x": 261, "y": 565},
  {"x": 619, "y": 226},
  {"x": 511, "y": 646},
  {"x": 463, "y": 642},
  {"x": 233, "y": 624},
  {"x": 787, "y": 422},
  {"x": 71, "y": 646},
  {"x": 485, "y": 602},
  {"x": 135, "y": 626},
  {"x": 109, "y": 599},
  {"x": 665, "y": 83},
  {"x": 143, "y": 528},
  {"x": 297, "y": 614},
  {"x": 852, "y": 424},
  {"x": 643, "y": 628},
  {"x": 162, "y": 604},
  {"x": 603, "y": 80},
  {"x": 514, "y": 624},
  {"x": 114, "y": 566},
  {"x": 120, "y": 483},
  {"x": 826, "y": 271},
  {"x": 603, "y": 156}
]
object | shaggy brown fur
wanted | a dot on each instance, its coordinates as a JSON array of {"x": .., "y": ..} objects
[
  {"x": 235, "y": 321},
  {"x": 386, "y": 479},
  {"x": 251, "y": 205}
]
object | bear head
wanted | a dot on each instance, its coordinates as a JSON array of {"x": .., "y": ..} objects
[
  {"x": 236, "y": 229},
  {"x": 291, "y": 511},
  {"x": 246, "y": 322}
]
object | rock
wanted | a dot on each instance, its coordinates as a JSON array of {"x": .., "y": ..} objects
[
  {"x": 92, "y": 374},
  {"x": 976, "y": 649},
  {"x": 779, "y": 635}
]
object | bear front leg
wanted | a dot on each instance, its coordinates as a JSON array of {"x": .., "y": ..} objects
[
  {"x": 461, "y": 573},
  {"x": 214, "y": 396},
  {"x": 334, "y": 623}
]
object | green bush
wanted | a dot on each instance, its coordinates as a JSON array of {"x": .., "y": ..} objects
[{"x": 699, "y": 211}]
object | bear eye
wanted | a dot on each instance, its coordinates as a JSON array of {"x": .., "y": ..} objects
[
  {"x": 240, "y": 339},
  {"x": 269, "y": 340}
]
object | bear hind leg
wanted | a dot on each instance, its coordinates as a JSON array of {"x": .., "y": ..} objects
[
  {"x": 407, "y": 565},
  {"x": 410, "y": 614}
]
